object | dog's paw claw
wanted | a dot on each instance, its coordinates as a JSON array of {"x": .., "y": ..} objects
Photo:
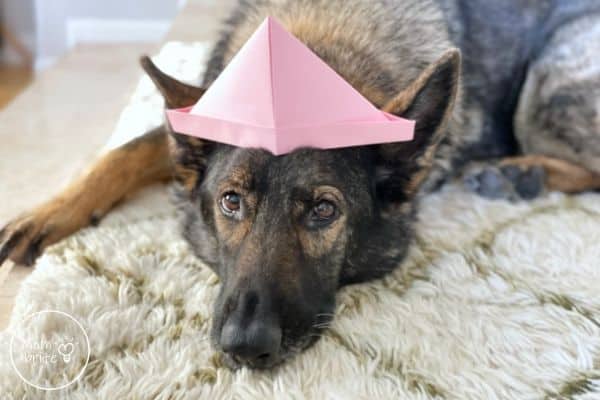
[
  {"x": 10, "y": 238},
  {"x": 22, "y": 240}
]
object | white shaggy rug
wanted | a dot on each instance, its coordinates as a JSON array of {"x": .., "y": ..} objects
[{"x": 496, "y": 300}]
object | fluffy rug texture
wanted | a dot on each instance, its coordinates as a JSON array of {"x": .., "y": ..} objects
[{"x": 496, "y": 300}]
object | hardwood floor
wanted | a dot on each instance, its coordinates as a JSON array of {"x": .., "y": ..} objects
[{"x": 13, "y": 80}]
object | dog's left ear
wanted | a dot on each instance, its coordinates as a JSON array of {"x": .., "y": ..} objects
[
  {"x": 176, "y": 94},
  {"x": 188, "y": 154},
  {"x": 429, "y": 100}
]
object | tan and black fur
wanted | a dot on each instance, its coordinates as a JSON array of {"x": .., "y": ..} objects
[{"x": 280, "y": 261}]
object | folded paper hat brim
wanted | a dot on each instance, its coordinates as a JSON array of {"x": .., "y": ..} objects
[{"x": 282, "y": 140}]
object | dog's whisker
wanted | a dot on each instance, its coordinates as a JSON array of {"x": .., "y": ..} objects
[
  {"x": 321, "y": 328},
  {"x": 322, "y": 325}
]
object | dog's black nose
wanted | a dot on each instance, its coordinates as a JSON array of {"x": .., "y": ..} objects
[
  {"x": 251, "y": 334},
  {"x": 256, "y": 344}
]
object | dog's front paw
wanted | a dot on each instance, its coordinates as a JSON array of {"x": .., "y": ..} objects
[
  {"x": 508, "y": 182},
  {"x": 23, "y": 239}
]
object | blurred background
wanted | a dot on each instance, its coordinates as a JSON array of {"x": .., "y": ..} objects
[
  {"x": 67, "y": 70},
  {"x": 36, "y": 33}
]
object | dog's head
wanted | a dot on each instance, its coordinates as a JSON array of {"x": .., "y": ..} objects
[{"x": 284, "y": 232}]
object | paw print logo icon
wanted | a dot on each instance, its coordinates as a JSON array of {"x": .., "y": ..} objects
[{"x": 65, "y": 350}]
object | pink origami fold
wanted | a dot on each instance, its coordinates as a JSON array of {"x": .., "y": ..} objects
[{"x": 278, "y": 95}]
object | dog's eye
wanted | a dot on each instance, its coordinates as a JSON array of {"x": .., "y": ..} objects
[
  {"x": 231, "y": 203},
  {"x": 323, "y": 211}
]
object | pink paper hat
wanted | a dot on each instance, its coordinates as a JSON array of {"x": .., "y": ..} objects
[{"x": 278, "y": 95}]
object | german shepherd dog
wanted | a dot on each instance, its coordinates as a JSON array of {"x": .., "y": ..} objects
[{"x": 506, "y": 95}]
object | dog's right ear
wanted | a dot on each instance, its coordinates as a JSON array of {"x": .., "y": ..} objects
[
  {"x": 189, "y": 154},
  {"x": 176, "y": 94},
  {"x": 429, "y": 100}
]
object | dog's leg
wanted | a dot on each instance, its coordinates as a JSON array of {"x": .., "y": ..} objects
[
  {"x": 556, "y": 122},
  {"x": 115, "y": 176},
  {"x": 526, "y": 177},
  {"x": 561, "y": 175},
  {"x": 560, "y": 101}
]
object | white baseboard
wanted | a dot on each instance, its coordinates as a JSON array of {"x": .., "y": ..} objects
[
  {"x": 93, "y": 30},
  {"x": 42, "y": 63}
]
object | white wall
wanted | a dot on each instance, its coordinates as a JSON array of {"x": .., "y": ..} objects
[
  {"x": 62, "y": 24},
  {"x": 56, "y": 25}
]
